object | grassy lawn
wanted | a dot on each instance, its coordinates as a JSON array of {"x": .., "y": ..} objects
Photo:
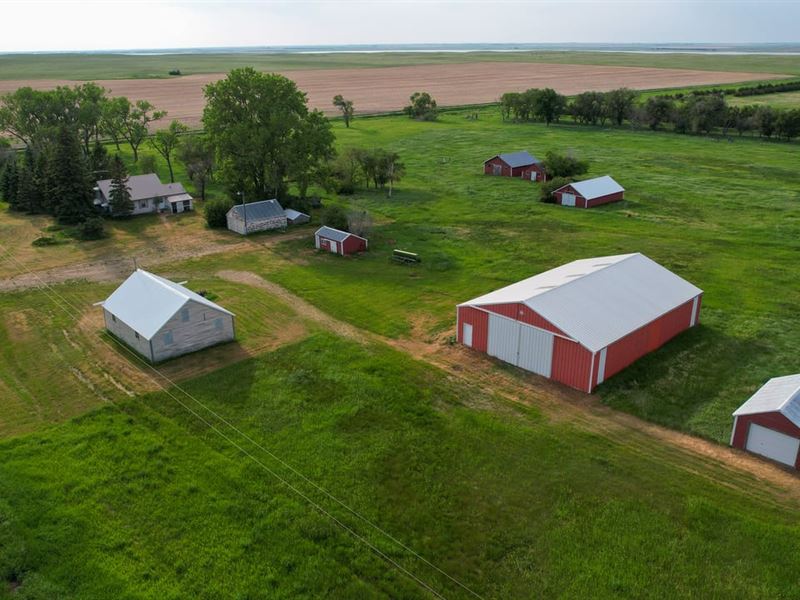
[
  {"x": 109, "y": 66},
  {"x": 143, "y": 500}
]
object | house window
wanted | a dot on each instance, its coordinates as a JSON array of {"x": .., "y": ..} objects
[
  {"x": 218, "y": 324},
  {"x": 167, "y": 338},
  {"x": 142, "y": 203},
  {"x": 185, "y": 315}
]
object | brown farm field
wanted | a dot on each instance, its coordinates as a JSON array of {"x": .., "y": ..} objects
[{"x": 387, "y": 89}]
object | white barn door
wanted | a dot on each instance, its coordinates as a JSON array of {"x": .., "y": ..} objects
[
  {"x": 503, "y": 338},
  {"x": 772, "y": 444},
  {"x": 521, "y": 345},
  {"x": 466, "y": 334},
  {"x": 568, "y": 199},
  {"x": 535, "y": 350}
]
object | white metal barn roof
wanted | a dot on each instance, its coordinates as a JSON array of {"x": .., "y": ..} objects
[
  {"x": 337, "y": 235},
  {"x": 293, "y": 214},
  {"x": 145, "y": 302},
  {"x": 597, "y": 301},
  {"x": 255, "y": 211},
  {"x": 596, "y": 188},
  {"x": 779, "y": 394},
  {"x": 516, "y": 159}
]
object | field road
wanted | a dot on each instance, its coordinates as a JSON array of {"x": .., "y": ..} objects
[{"x": 388, "y": 88}]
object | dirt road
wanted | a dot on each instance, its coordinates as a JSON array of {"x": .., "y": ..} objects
[{"x": 388, "y": 88}]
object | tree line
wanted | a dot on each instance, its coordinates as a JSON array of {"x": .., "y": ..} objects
[{"x": 697, "y": 113}]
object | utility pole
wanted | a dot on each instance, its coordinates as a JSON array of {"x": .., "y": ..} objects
[{"x": 244, "y": 210}]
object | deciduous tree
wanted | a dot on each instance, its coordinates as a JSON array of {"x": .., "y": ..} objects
[
  {"x": 165, "y": 141},
  {"x": 346, "y": 106},
  {"x": 197, "y": 155}
]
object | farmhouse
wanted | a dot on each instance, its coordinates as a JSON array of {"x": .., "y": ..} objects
[
  {"x": 515, "y": 164},
  {"x": 148, "y": 194},
  {"x": 339, "y": 242},
  {"x": 769, "y": 422},
  {"x": 160, "y": 319},
  {"x": 589, "y": 193},
  {"x": 295, "y": 217},
  {"x": 582, "y": 322},
  {"x": 256, "y": 216}
]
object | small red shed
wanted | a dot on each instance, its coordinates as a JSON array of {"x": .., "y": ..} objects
[
  {"x": 590, "y": 192},
  {"x": 339, "y": 242},
  {"x": 515, "y": 164},
  {"x": 768, "y": 424},
  {"x": 582, "y": 322}
]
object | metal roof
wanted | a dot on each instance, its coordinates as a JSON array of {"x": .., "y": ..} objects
[
  {"x": 255, "y": 211},
  {"x": 597, "y": 301},
  {"x": 145, "y": 302},
  {"x": 293, "y": 214},
  {"x": 517, "y": 159},
  {"x": 143, "y": 187},
  {"x": 779, "y": 394},
  {"x": 336, "y": 235},
  {"x": 595, "y": 188}
]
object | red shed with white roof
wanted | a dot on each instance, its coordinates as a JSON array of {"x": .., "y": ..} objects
[
  {"x": 584, "y": 321},
  {"x": 338, "y": 241},
  {"x": 590, "y": 192},
  {"x": 769, "y": 422}
]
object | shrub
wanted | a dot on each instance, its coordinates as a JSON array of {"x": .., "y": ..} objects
[
  {"x": 336, "y": 217},
  {"x": 147, "y": 164},
  {"x": 548, "y": 187},
  {"x": 175, "y": 72},
  {"x": 90, "y": 229},
  {"x": 422, "y": 107},
  {"x": 216, "y": 212},
  {"x": 44, "y": 241},
  {"x": 564, "y": 165}
]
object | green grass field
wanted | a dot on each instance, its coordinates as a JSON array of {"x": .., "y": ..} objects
[
  {"x": 780, "y": 100},
  {"x": 111, "y": 66},
  {"x": 138, "y": 498},
  {"x": 144, "y": 500}
]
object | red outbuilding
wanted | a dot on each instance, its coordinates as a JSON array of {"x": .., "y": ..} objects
[
  {"x": 516, "y": 164},
  {"x": 769, "y": 422},
  {"x": 582, "y": 322},
  {"x": 339, "y": 242},
  {"x": 589, "y": 193}
]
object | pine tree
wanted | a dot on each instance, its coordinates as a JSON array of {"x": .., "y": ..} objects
[
  {"x": 9, "y": 182},
  {"x": 30, "y": 196},
  {"x": 70, "y": 191},
  {"x": 120, "y": 195}
]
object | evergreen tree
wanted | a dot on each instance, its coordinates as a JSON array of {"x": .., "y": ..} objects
[
  {"x": 120, "y": 194},
  {"x": 9, "y": 181},
  {"x": 26, "y": 189},
  {"x": 98, "y": 161},
  {"x": 70, "y": 190}
]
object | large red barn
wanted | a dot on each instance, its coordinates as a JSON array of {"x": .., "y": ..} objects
[
  {"x": 515, "y": 164},
  {"x": 582, "y": 322},
  {"x": 769, "y": 422},
  {"x": 590, "y": 192}
]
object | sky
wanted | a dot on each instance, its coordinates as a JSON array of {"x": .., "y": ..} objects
[{"x": 119, "y": 24}]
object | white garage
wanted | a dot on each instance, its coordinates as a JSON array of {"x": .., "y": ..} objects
[{"x": 768, "y": 424}]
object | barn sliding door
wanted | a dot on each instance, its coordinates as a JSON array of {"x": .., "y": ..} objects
[
  {"x": 535, "y": 350},
  {"x": 521, "y": 345}
]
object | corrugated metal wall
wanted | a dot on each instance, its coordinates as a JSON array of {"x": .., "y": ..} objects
[
  {"x": 571, "y": 364},
  {"x": 648, "y": 338},
  {"x": 480, "y": 326},
  {"x": 521, "y": 312},
  {"x": 616, "y": 197}
]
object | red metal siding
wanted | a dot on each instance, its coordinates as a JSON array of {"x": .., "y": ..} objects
[
  {"x": 505, "y": 170},
  {"x": 353, "y": 244},
  {"x": 606, "y": 199},
  {"x": 480, "y": 327},
  {"x": 525, "y": 172},
  {"x": 571, "y": 364},
  {"x": 646, "y": 339},
  {"x": 521, "y": 312},
  {"x": 771, "y": 420}
]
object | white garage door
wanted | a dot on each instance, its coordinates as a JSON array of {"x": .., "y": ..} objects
[
  {"x": 503, "y": 339},
  {"x": 568, "y": 199},
  {"x": 520, "y": 345},
  {"x": 535, "y": 350},
  {"x": 772, "y": 444}
]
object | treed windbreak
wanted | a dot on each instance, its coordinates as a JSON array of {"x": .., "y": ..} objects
[{"x": 264, "y": 135}]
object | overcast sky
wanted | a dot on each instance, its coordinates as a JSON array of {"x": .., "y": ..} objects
[{"x": 109, "y": 24}]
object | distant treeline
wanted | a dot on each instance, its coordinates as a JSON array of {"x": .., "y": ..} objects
[
  {"x": 744, "y": 91},
  {"x": 703, "y": 112}
]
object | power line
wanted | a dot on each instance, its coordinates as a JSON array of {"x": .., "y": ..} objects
[{"x": 264, "y": 449}]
